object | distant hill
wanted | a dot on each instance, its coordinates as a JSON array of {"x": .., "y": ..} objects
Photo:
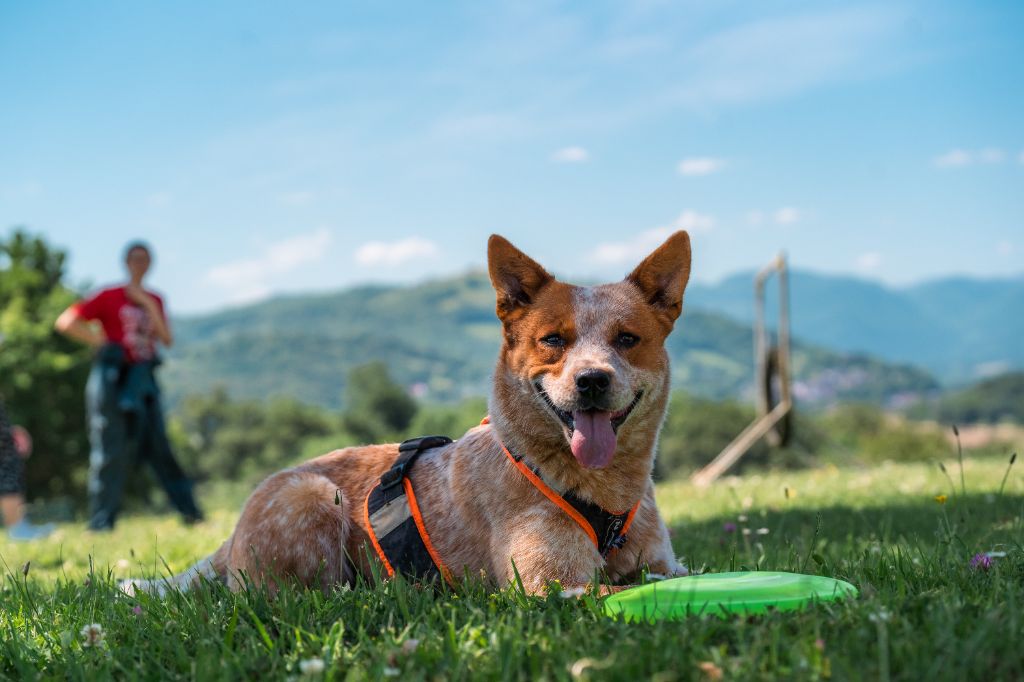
[
  {"x": 441, "y": 338},
  {"x": 990, "y": 401},
  {"x": 958, "y": 328}
]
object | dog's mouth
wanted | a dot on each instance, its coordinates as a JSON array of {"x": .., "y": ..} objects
[{"x": 591, "y": 432}]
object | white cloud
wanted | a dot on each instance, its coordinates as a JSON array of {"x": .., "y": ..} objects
[
  {"x": 24, "y": 190},
  {"x": 787, "y": 215},
  {"x": 772, "y": 57},
  {"x": 297, "y": 198},
  {"x": 482, "y": 125},
  {"x": 159, "y": 199},
  {"x": 635, "y": 249},
  {"x": 959, "y": 158},
  {"x": 391, "y": 254},
  {"x": 1005, "y": 248},
  {"x": 700, "y": 165},
  {"x": 693, "y": 221},
  {"x": 248, "y": 279},
  {"x": 571, "y": 155},
  {"x": 991, "y": 155},
  {"x": 953, "y": 159},
  {"x": 869, "y": 261}
]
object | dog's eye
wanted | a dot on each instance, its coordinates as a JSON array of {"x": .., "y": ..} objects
[
  {"x": 626, "y": 340},
  {"x": 553, "y": 341}
]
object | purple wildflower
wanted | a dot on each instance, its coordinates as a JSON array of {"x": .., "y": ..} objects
[
  {"x": 981, "y": 562},
  {"x": 729, "y": 527},
  {"x": 137, "y": 610}
]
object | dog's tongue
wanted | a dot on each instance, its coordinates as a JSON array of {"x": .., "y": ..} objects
[{"x": 593, "y": 440}]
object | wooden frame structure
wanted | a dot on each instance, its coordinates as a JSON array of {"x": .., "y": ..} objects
[{"x": 771, "y": 366}]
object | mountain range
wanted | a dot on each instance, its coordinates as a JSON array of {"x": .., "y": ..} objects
[
  {"x": 958, "y": 328},
  {"x": 853, "y": 339}
]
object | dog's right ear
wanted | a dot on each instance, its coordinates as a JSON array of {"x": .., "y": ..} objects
[{"x": 516, "y": 277}]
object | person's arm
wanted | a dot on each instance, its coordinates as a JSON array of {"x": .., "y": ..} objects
[
  {"x": 72, "y": 325},
  {"x": 22, "y": 441},
  {"x": 154, "y": 310}
]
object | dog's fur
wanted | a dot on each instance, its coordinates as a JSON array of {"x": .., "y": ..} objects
[{"x": 482, "y": 514}]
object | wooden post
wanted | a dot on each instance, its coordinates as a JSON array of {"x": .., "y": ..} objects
[{"x": 768, "y": 417}]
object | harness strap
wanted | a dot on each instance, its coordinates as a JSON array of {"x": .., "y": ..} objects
[
  {"x": 394, "y": 521},
  {"x": 607, "y": 530}
]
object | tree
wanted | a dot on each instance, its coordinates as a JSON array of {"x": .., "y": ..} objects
[
  {"x": 448, "y": 420},
  {"x": 377, "y": 409},
  {"x": 221, "y": 438},
  {"x": 42, "y": 375}
]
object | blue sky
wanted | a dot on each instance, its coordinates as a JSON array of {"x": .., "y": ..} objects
[{"x": 271, "y": 147}]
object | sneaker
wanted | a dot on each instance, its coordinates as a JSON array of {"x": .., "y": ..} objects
[{"x": 24, "y": 531}]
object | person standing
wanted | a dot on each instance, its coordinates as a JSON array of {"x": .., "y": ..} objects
[
  {"x": 126, "y": 422},
  {"x": 15, "y": 447}
]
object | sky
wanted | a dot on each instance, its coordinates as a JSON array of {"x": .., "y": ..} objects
[{"x": 264, "y": 148}]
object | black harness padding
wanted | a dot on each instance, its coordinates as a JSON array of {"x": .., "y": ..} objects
[
  {"x": 609, "y": 528},
  {"x": 390, "y": 516}
]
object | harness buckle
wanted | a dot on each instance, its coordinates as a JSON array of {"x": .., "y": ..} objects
[
  {"x": 408, "y": 451},
  {"x": 392, "y": 476},
  {"x": 424, "y": 443}
]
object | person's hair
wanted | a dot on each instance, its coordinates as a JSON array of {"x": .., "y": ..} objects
[{"x": 137, "y": 244}]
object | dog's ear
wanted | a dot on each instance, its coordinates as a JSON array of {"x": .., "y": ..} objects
[
  {"x": 516, "y": 277},
  {"x": 663, "y": 275}
]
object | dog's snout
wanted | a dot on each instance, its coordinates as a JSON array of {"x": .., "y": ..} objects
[{"x": 593, "y": 383}]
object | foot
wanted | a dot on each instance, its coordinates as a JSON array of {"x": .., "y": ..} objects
[{"x": 25, "y": 531}]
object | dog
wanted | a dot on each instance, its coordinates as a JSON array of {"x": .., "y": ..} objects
[{"x": 555, "y": 485}]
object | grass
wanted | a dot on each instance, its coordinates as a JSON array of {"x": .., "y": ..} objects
[{"x": 923, "y": 611}]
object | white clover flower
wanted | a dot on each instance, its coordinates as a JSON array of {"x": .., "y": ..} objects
[
  {"x": 572, "y": 593},
  {"x": 92, "y": 635},
  {"x": 311, "y": 666},
  {"x": 762, "y": 531},
  {"x": 880, "y": 616}
]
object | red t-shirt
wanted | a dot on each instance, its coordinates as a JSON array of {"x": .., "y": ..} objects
[{"x": 124, "y": 322}]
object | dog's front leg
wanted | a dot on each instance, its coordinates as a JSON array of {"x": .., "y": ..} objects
[
  {"x": 540, "y": 553},
  {"x": 648, "y": 547}
]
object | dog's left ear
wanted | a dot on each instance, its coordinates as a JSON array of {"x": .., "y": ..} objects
[
  {"x": 663, "y": 275},
  {"x": 516, "y": 277}
]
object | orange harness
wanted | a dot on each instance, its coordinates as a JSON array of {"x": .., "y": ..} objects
[
  {"x": 607, "y": 530},
  {"x": 399, "y": 536}
]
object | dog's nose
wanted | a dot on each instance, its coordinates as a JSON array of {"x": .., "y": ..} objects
[{"x": 593, "y": 383}]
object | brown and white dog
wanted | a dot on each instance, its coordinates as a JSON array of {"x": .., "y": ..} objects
[{"x": 580, "y": 391}]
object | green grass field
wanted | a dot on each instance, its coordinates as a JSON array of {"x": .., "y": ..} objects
[{"x": 923, "y": 613}]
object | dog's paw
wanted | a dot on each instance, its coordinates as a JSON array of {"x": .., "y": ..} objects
[
  {"x": 135, "y": 586},
  {"x": 678, "y": 570}
]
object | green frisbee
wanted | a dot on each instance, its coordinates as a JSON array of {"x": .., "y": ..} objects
[{"x": 725, "y": 594}]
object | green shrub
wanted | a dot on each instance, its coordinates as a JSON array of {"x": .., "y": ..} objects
[{"x": 864, "y": 433}]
